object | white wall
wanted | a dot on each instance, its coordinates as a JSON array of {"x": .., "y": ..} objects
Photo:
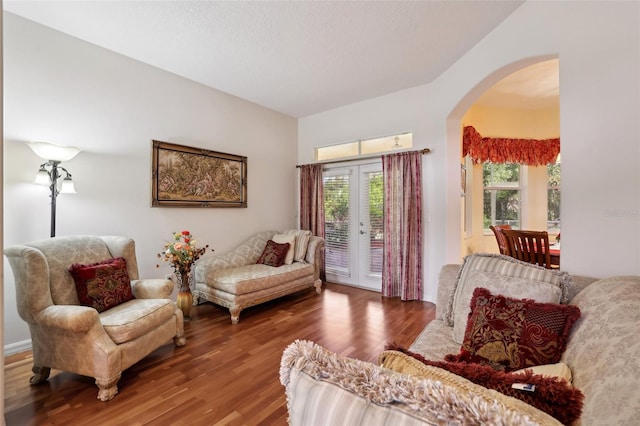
[
  {"x": 2, "y": 339},
  {"x": 69, "y": 92},
  {"x": 597, "y": 44}
]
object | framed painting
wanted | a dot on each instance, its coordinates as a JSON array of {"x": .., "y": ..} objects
[{"x": 183, "y": 176}]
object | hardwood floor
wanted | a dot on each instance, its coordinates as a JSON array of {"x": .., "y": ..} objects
[{"x": 226, "y": 374}]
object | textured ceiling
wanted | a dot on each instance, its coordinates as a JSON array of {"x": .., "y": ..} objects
[{"x": 298, "y": 58}]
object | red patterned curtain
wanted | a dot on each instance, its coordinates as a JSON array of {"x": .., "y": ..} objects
[
  {"x": 530, "y": 152},
  {"x": 402, "y": 253},
  {"x": 312, "y": 199}
]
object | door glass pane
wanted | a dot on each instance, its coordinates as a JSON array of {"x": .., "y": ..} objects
[
  {"x": 336, "y": 224},
  {"x": 374, "y": 210}
]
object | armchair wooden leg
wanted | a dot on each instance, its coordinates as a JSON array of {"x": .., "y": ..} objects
[
  {"x": 40, "y": 374},
  {"x": 107, "y": 388},
  {"x": 180, "y": 339},
  {"x": 318, "y": 285}
]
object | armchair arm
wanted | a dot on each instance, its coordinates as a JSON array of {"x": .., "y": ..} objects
[
  {"x": 74, "y": 318},
  {"x": 157, "y": 288},
  {"x": 31, "y": 274},
  {"x": 446, "y": 286},
  {"x": 315, "y": 255}
]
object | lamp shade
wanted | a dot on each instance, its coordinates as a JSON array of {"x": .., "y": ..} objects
[
  {"x": 42, "y": 177},
  {"x": 49, "y": 151},
  {"x": 67, "y": 186}
]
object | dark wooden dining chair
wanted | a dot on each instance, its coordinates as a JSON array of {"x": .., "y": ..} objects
[
  {"x": 529, "y": 246},
  {"x": 500, "y": 238}
]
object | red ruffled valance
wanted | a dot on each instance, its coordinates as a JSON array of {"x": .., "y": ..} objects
[{"x": 531, "y": 152}]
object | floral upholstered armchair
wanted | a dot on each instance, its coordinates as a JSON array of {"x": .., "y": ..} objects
[{"x": 88, "y": 313}]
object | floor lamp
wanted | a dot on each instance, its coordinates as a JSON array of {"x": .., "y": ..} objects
[{"x": 51, "y": 171}]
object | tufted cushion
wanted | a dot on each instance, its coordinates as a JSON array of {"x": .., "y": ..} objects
[
  {"x": 506, "y": 276},
  {"x": 102, "y": 285},
  {"x": 511, "y": 334}
]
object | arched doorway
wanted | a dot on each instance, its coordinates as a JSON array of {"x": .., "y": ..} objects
[{"x": 462, "y": 236}]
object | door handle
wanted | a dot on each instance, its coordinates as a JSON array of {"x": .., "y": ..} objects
[{"x": 362, "y": 232}]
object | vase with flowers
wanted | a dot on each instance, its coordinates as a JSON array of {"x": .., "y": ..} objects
[{"x": 182, "y": 253}]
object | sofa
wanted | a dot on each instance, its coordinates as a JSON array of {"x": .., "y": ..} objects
[
  {"x": 87, "y": 310},
  {"x": 236, "y": 281},
  {"x": 601, "y": 353}
]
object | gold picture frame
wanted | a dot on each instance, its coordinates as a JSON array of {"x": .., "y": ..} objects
[{"x": 183, "y": 176}]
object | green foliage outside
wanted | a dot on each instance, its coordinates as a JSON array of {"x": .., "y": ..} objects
[
  {"x": 336, "y": 198},
  {"x": 376, "y": 205},
  {"x": 553, "y": 197},
  {"x": 505, "y": 201},
  {"x": 336, "y": 206}
]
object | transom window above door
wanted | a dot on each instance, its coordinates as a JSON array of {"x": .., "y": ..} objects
[{"x": 364, "y": 147}]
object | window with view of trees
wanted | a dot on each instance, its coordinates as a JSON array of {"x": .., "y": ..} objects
[
  {"x": 354, "y": 224},
  {"x": 553, "y": 197},
  {"x": 501, "y": 202},
  {"x": 336, "y": 221},
  {"x": 375, "y": 207}
]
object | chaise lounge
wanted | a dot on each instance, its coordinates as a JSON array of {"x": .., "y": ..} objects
[{"x": 234, "y": 280}]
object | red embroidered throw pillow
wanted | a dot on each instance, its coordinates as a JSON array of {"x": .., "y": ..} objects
[
  {"x": 511, "y": 334},
  {"x": 102, "y": 285},
  {"x": 274, "y": 254}
]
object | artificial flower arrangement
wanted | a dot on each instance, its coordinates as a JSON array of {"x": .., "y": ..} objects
[{"x": 182, "y": 252}]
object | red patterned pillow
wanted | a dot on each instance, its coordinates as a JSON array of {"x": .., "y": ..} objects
[
  {"x": 274, "y": 254},
  {"x": 102, "y": 285},
  {"x": 511, "y": 334},
  {"x": 552, "y": 395}
]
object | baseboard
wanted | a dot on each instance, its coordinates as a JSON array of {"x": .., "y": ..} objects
[{"x": 16, "y": 348}]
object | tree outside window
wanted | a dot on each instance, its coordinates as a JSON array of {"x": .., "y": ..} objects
[
  {"x": 336, "y": 208},
  {"x": 501, "y": 202},
  {"x": 553, "y": 198}
]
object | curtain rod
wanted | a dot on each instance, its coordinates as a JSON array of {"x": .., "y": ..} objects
[{"x": 422, "y": 151}]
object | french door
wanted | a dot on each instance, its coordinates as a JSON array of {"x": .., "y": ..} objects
[{"x": 353, "y": 206}]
